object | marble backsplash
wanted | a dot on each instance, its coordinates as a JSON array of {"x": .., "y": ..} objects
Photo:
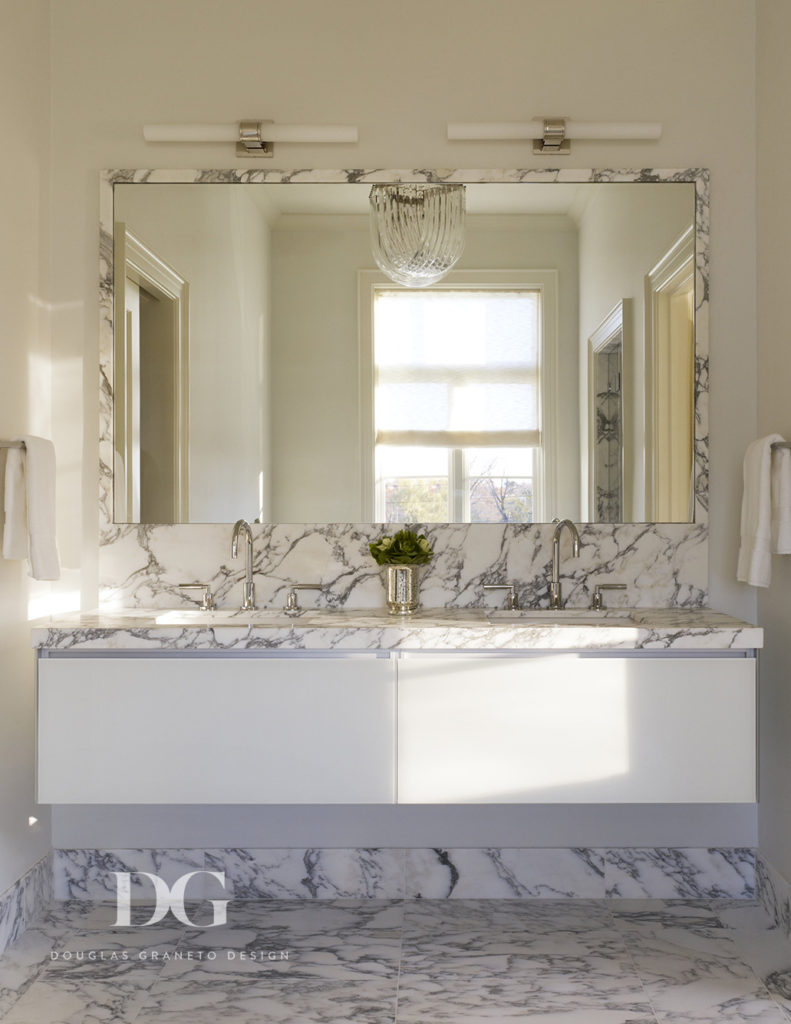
[{"x": 662, "y": 565}]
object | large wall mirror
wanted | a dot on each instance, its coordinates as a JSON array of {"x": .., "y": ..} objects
[{"x": 264, "y": 368}]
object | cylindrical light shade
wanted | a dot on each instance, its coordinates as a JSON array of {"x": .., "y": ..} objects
[
  {"x": 516, "y": 130},
  {"x": 230, "y": 132},
  {"x": 417, "y": 231}
]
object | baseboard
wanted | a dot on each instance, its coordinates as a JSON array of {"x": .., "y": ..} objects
[
  {"x": 25, "y": 901},
  {"x": 486, "y": 873}
]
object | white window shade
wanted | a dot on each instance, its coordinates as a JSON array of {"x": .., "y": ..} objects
[{"x": 457, "y": 368}]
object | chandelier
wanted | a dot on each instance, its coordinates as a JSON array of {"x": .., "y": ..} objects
[{"x": 417, "y": 231}]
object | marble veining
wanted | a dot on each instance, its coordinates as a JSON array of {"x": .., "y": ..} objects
[
  {"x": 89, "y": 874},
  {"x": 663, "y": 565},
  {"x": 774, "y": 894},
  {"x": 680, "y": 874},
  {"x": 457, "y": 874},
  {"x": 463, "y": 629},
  {"x": 406, "y": 962},
  {"x": 25, "y": 900},
  {"x": 608, "y": 433},
  {"x": 525, "y": 874}
]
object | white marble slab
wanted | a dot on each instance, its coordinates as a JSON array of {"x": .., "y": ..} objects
[
  {"x": 311, "y": 873},
  {"x": 25, "y": 901},
  {"x": 504, "y": 874},
  {"x": 433, "y": 874},
  {"x": 472, "y": 961},
  {"x": 363, "y": 629},
  {"x": 680, "y": 873},
  {"x": 774, "y": 894},
  {"x": 90, "y": 874}
]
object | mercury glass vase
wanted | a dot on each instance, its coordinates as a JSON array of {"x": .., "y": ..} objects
[{"x": 401, "y": 588}]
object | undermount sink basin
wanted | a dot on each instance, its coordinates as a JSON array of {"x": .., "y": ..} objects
[{"x": 561, "y": 617}]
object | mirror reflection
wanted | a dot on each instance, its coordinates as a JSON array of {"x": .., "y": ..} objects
[{"x": 265, "y": 369}]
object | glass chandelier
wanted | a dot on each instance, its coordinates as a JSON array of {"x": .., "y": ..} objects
[{"x": 417, "y": 231}]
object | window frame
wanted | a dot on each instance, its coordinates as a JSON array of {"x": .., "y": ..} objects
[{"x": 543, "y": 281}]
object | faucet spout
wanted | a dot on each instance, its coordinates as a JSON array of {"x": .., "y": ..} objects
[
  {"x": 248, "y": 595},
  {"x": 555, "y": 590}
]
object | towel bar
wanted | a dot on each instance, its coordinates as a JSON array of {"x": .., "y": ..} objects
[
  {"x": 12, "y": 444},
  {"x": 781, "y": 444}
]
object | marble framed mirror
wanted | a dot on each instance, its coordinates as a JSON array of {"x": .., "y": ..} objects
[{"x": 578, "y": 216}]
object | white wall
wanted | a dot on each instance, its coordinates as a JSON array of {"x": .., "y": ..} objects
[
  {"x": 315, "y": 424},
  {"x": 687, "y": 63},
  {"x": 218, "y": 240},
  {"x": 774, "y": 355},
  {"x": 633, "y": 236},
  {"x": 25, "y": 385}
]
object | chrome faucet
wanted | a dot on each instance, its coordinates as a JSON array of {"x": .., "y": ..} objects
[
  {"x": 248, "y": 598},
  {"x": 511, "y": 598},
  {"x": 292, "y": 601},
  {"x": 555, "y": 592}
]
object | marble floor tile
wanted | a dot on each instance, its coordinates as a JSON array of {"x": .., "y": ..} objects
[
  {"x": 365, "y": 961},
  {"x": 348, "y": 928},
  {"x": 692, "y": 968},
  {"x": 513, "y": 986},
  {"x": 763, "y": 945},
  {"x": 25, "y": 959},
  {"x": 313, "y": 988},
  {"x": 86, "y": 993},
  {"x": 499, "y": 926}
]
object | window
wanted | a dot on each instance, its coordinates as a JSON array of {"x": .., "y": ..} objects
[{"x": 456, "y": 413}]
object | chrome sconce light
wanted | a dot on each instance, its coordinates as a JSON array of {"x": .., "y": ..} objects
[
  {"x": 252, "y": 138},
  {"x": 553, "y": 134}
]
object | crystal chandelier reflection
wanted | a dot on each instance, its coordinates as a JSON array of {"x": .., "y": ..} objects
[{"x": 417, "y": 231}]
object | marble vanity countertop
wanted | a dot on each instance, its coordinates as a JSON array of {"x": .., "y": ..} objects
[{"x": 372, "y": 629}]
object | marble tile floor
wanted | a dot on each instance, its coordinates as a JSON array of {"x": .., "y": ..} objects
[{"x": 412, "y": 962}]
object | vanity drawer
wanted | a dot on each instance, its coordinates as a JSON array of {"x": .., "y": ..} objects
[
  {"x": 180, "y": 730},
  {"x": 565, "y": 728}
]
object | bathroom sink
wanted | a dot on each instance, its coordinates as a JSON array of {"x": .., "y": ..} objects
[{"x": 560, "y": 617}]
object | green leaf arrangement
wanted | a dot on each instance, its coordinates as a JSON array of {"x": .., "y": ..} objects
[{"x": 405, "y": 548}]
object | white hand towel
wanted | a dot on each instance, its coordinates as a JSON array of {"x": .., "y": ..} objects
[
  {"x": 755, "y": 565},
  {"x": 781, "y": 501},
  {"x": 30, "y": 509}
]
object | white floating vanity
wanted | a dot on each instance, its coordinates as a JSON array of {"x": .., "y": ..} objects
[{"x": 352, "y": 707}]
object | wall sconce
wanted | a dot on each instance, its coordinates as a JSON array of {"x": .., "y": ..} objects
[
  {"x": 552, "y": 134},
  {"x": 252, "y": 138}
]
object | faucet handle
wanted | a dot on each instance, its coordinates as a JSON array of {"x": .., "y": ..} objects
[
  {"x": 511, "y": 598},
  {"x": 207, "y": 603},
  {"x": 292, "y": 601},
  {"x": 597, "y": 604}
]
